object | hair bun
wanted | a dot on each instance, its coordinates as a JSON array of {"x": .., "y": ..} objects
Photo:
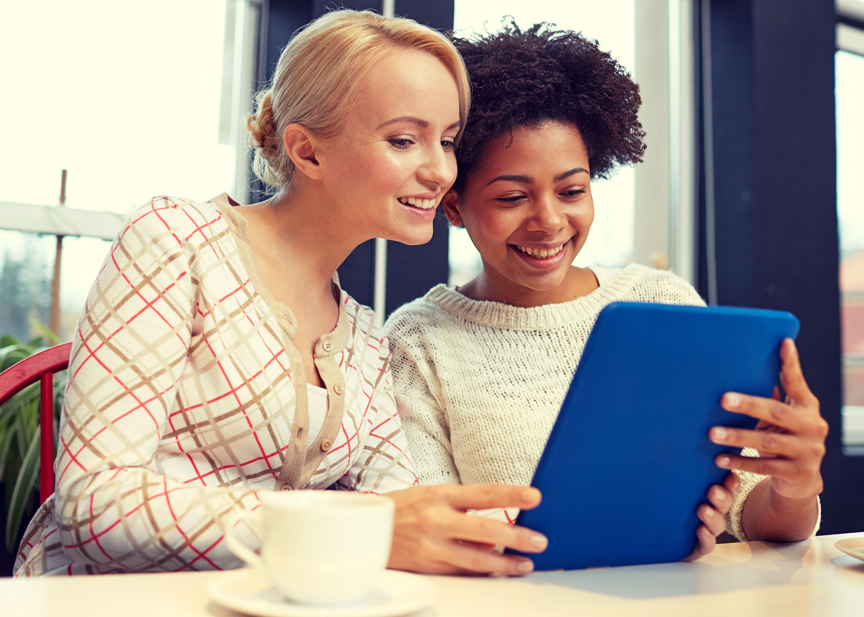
[
  {"x": 260, "y": 125},
  {"x": 263, "y": 139}
]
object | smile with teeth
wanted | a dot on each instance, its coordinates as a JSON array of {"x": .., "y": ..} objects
[
  {"x": 540, "y": 253},
  {"x": 423, "y": 204}
]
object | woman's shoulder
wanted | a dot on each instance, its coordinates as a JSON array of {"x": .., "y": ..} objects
[
  {"x": 183, "y": 217},
  {"x": 420, "y": 313}
]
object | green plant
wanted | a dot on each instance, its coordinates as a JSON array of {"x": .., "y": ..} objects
[{"x": 19, "y": 434}]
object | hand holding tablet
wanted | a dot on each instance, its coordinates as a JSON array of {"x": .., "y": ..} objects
[
  {"x": 790, "y": 438},
  {"x": 629, "y": 465}
]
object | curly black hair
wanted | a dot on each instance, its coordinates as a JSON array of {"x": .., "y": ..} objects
[{"x": 526, "y": 78}]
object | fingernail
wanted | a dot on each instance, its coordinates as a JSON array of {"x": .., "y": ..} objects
[
  {"x": 720, "y": 433},
  {"x": 719, "y": 495},
  {"x": 733, "y": 401},
  {"x": 530, "y": 494},
  {"x": 538, "y": 540},
  {"x": 526, "y": 566},
  {"x": 724, "y": 461},
  {"x": 709, "y": 512}
]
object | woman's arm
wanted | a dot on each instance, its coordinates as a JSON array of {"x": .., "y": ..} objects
[
  {"x": 429, "y": 435},
  {"x": 130, "y": 351},
  {"x": 422, "y": 409},
  {"x": 432, "y": 531},
  {"x": 790, "y": 439}
]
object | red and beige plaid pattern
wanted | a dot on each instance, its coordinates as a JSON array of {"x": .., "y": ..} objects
[{"x": 182, "y": 403}]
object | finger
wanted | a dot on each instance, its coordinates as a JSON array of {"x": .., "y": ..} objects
[
  {"x": 791, "y": 376},
  {"x": 720, "y": 498},
  {"x": 776, "y": 467},
  {"x": 435, "y": 567},
  {"x": 472, "y": 559},
  {"x": 706, "y": 541},
  {"x": 713, "y": 520},
  {"x": 485, "y": 546},
  {"x": 764, "y": 441},
  {"x": 482, "y": 496},
  {"x": 487, "y": 531},
  {"x": 767, "y": 409},
  {"x": 731, "y": 482}
]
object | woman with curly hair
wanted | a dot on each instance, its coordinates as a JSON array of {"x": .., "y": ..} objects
[{"x": 481, "y": 370}]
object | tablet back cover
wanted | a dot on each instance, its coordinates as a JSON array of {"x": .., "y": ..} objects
[{"x": 629, "y": 460}]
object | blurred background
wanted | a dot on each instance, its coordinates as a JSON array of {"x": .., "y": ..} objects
[{"x": 751, "y": 189}]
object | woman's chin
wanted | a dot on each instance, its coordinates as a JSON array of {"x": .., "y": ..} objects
[
  {"x": 544, "y": 283},
  {"x": 414, "y": 237}
]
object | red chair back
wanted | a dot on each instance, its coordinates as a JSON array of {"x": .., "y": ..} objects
[{"x": 41, "y": 367}]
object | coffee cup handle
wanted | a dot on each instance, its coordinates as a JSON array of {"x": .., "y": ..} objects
[{"x": 236, "y": 546}]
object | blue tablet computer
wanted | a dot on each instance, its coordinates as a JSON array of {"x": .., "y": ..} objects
[{"x": 629, "y": 460}]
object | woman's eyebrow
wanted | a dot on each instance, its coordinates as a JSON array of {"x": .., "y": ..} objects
[
  {"x": 530, "y": 180},
  {"x": 567, "y": 174},
  {"x": 418, "y": 121},
  {"x": 522, "y": 179},
  {"x": 411, "y": 119}
]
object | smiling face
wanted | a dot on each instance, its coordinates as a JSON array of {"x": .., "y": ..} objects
[
  {"x": 528, "y": 209},
  {"x": 393, "y": 160}
]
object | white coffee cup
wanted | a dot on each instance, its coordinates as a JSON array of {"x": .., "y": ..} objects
[{"x": 319, "y": 547}]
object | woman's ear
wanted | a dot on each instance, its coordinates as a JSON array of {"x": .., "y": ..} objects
[
  {"x": 302, "y": 147},
  {"x": 452, "y": 207}
]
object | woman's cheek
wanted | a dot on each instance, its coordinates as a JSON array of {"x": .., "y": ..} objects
[{"x": 454, "y": 170}]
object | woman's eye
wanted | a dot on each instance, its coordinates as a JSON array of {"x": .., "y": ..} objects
[
  {"x": 511, "y": 198},
  {"x": 573, "y": 193},
  {"x": 401, "y": 143},
  {"x": 447, "y": 144}
]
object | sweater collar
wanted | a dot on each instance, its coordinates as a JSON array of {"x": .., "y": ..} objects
[{"x": 613, "y": 283}]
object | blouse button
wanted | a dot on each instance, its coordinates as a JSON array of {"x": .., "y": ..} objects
[
  {"x": 337, "y": 389},
  {"x": 326, "y": 445},
  {"x": 328, "y": 346},
  {"x": 286, "y": 487}
]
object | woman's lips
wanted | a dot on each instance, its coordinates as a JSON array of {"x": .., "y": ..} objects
[{"x": 536, "y": 260}]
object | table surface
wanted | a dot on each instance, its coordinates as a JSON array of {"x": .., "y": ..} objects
[{"x": 807, "y": 578}]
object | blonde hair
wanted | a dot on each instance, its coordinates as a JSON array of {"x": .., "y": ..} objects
[{"x": 318, "y": 75}]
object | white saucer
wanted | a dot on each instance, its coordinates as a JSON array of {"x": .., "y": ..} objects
[
  {"x": 852, "y": 546},
  {"x": 396, "y": 593}
]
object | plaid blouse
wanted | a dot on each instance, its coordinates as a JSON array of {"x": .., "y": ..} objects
[{"x": 187, "y": 396}]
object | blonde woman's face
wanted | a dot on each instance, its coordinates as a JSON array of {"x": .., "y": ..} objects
[{"x": 394, "y": 159}]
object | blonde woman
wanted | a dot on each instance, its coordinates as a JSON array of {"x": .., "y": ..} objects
[{"x": 217, "y": 356}]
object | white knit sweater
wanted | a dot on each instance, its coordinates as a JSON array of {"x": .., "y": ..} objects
[{"x": 479, "y": 384}]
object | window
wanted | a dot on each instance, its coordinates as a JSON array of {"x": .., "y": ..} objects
[
  {"x": 849, "y": 75},
  {"x": 633, "y": 218},
  {"x": 850, "y": 212},
  {"x": 134, "y": 100}
]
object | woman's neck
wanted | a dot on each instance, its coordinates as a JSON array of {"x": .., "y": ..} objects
[
  {"x": 488, "y": 286},
  {"x": 296, "y": 232}
]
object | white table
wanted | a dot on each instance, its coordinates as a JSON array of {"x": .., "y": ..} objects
[{"x": 807, "y": 578}]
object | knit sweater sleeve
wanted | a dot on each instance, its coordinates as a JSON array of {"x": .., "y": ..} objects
[{"x": 418, "y": 395}]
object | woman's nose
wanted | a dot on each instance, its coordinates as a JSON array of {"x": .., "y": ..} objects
[
  {"x": 547, "y": 216},
  {"x": 439, "y": 167}
]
